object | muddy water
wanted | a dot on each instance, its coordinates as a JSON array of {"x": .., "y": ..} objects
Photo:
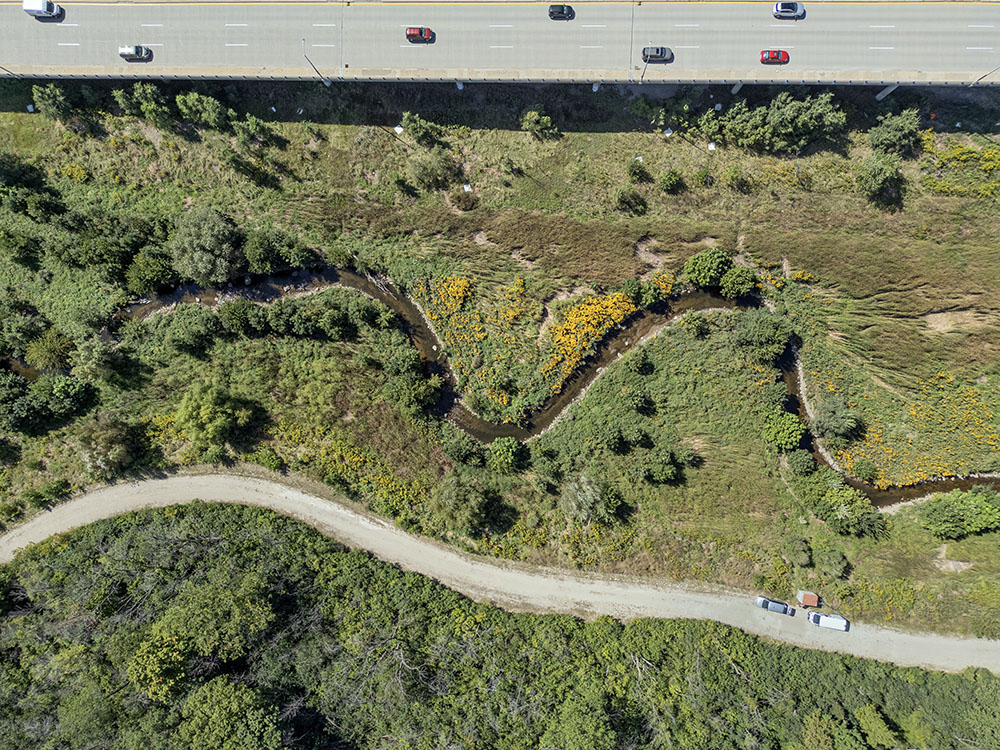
[{"x": 449, "y": 405}]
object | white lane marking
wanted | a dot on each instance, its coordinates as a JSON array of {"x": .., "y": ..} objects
[
  {"x": 980, "y": 26},
  {"x": 696, "y": 46},
  {"x": 591, "y": 46},
  {"x": 150, "y": 25},
  {"x": 881, "y": 48},
  {"x": 324, "y": 45},
  {"x": 237, "y": 45},
  {"x": 686, "y": 25},
  {"x": 501, "y": 46},
  {"x": 593, "y": 26},
  {"x": 324, "y": 24},
  {"x": 881, "y": 27},
  {"x": 68, "y": 44},
  {"x": 152, "y": 45},
  {"x": 983, "y": 48},
  {"x": 236, "y": 24},
  {"x": 501, "y": 26}
]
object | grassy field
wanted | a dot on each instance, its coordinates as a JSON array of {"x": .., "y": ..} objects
[{"x": 897, "y": 311}]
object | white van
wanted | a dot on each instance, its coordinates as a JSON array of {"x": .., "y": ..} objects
[
  {"x": 833, "y": 622},
  {"x": 41, "y": 8}
]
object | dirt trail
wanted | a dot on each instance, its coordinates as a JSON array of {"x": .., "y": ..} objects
[{"x": 511, "y": 586}]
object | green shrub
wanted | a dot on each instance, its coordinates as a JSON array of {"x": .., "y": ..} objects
[
  {"x": 783, "y": 430},
  {"x": 661, "y": 467},
  {"x": 150, "y": 270},
  {"x": 760, "y": 335},
  {"x": 204, "y": 247},
  {"x": 628, "y": 200},
  {"x": 958, "y": 514},
  {"x": 831, "y": 563},
  {"x": 865, "y": 469},
  {"x": 50, "y": 101},
  {"x": 707, "y": 268},
  {"x": 504, "y": 455},
  {"x": 434, "y": 169},
  {"x": 704, "y": 177},
  {"x": 637, "y": 172},
  {"x": 462, "y": 200},
  {"x": 459, "y": 504},
  {"x": 896, "y": 134},
  {"x": 539, "y": 124},
  {"x": 801, "y": 462},
  {"x": 737, "y": 282},
  {"x": 735, "y": 178},
  {"x": 146, "y": 101},
  {"x": 583, "y": 500},
  {"x": 50, "y": 351},
  {"x": 424, "y": 132},
  {"x": 108, "y": 445},
  {"x": 209, "y": 416},
  {"x": 696, "y": 324},
  {"x": 785, "y": 125},
  {"x": 834, "y": 418},
  {"x": 202, "y": 110},
  {"x": 879, "y": 180},
  {"x": 799, "y": 553},
  {"x": 671, "y": 181}
]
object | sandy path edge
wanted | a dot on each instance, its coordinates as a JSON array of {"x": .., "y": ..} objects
[{"x": 511, "y": 586}]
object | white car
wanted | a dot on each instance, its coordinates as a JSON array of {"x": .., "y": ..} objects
[
  {"x": 833, "y": 622},
  {"x": 135, "y": 53},
  {"x": 789, "y": 10}
]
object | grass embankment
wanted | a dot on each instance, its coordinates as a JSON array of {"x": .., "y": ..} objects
[{"x": 507, "y": 267}]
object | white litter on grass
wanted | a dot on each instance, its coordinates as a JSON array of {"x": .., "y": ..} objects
[
  {"x": 668, "y": 132},
  {"x": 467, "y": 187},
  {"x": 398, "y": 129},
  {"x": 711, "y": 146},
  {"x": 273, "y": 109},
  {"x": 638, "y": 158},
  {"x": 299, "y": 111},
  {"x": 718, "y": 107},
  {"x": 31, "y": 107},
  {"x": 958, "y": 124}
]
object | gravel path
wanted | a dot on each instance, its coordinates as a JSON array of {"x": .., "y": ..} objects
[{"x": 511, "y": 586}]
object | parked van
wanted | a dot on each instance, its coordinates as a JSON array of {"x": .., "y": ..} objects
[
  {"x": 41, "y": 8},
  {"x": 833, "y": 622}
]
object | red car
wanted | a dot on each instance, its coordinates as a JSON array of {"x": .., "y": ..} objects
[
  {"x": 419, "y": 34},
  {"x": 773, "y": 56}
]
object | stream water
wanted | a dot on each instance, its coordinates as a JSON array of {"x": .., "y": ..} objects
[{"x": 450, "y": 407}]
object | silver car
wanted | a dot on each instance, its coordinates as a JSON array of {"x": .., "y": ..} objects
[
  {"x": 772, "y": 605},
  {"x": 657, "y": 54},
  {"x": 793, "y": 11}
]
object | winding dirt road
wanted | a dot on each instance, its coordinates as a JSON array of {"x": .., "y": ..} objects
[{"x": 514, "y": 587}]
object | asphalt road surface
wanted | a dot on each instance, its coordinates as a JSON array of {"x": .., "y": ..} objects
[
  {"x": 514, "y": 587},
  {"x": 908, "y": 42}
]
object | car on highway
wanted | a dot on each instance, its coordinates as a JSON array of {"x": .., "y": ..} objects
[
  {"x": 772, "y": 605},
  {"x": 773, "y": 56},
  {"x": 419, "y": 35},
  {"x": 833, "y": 622},
  {"x": 793, "y": 11},
  {"x": 657, "y": 54},
  {"x": 561, "y": 12},
  {"x": 135, "y": 53}
]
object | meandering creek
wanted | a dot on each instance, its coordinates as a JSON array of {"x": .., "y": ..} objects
[{"x": 449, "y": 405}]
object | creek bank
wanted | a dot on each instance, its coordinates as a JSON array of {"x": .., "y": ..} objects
[{"x": 637, "y": 329}]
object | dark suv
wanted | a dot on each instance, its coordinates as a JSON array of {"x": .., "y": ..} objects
[{"x": 561, "y": 12}]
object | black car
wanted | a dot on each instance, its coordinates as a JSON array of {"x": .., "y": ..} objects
[{"x": 561, "y": 12}]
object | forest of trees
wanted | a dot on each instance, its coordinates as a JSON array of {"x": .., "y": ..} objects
[{"x": 212, "y": 626}]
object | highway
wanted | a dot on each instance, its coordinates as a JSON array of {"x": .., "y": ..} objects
[{"x": 837, "y": 42}]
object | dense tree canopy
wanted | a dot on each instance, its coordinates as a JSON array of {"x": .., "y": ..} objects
[{"x": 211, "y": 626}]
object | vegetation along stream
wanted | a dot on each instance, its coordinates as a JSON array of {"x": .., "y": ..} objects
[{"x": 450, "y": 406}]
